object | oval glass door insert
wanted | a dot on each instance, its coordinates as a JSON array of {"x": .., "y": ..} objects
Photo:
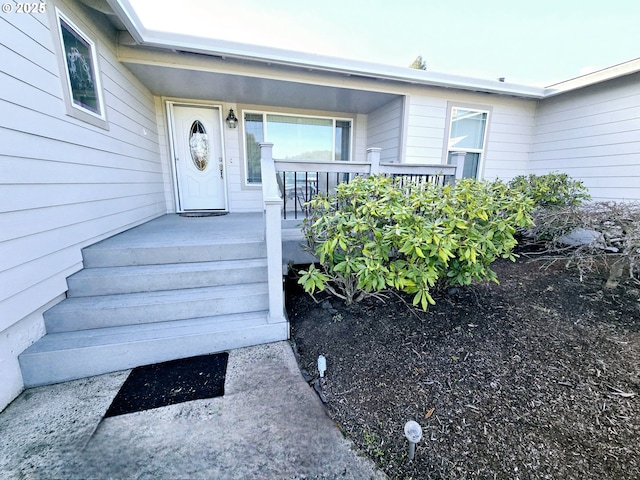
[{"x": 199, "y": 145}]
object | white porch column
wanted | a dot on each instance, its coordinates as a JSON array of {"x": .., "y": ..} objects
[
  {"x": 273, "y": 233},
  {"x": 373, "y": 157}
]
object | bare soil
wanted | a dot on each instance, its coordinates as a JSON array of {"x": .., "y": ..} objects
[{"x": 538, "y": 377}]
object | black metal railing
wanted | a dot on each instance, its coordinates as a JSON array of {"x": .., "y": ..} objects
[
  {"x": 298, "y": 181},
  {"x": 298, "y": 188}
]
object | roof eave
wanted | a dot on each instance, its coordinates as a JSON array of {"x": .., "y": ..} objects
[
  {"x": 606, "y": 74},
  {"x": 269, "y": 55}
]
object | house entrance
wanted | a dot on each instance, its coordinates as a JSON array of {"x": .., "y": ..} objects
[{"x": 198, "y": 158}]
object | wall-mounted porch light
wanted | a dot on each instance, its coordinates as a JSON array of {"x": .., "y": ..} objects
[{"x": 232, "y": 120}]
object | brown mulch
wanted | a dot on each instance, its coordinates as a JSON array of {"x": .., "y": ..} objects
[{"x": 538, "y": 377}]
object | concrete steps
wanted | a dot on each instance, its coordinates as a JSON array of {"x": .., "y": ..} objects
[
  {"x": 59, "y": 357},
  {"x": 154, "y": 294},
  {"x": 114, "y": 256},
  {"x": 144, "y": 278},
  {"x": 150, "y": 307}
]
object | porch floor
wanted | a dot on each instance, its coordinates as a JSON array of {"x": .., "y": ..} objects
[{"x": 174, "y": 229}]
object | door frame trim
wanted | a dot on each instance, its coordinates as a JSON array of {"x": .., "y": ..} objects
[{"x": 169, "y": 104}]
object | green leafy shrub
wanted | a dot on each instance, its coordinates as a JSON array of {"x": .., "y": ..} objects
[
  {"x": 551, "y": 190},
  {"x": 375, "y": 233},
  {"x": 551, "y": 194}
]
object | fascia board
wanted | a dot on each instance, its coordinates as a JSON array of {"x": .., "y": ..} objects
[
  {"x": 610, "y": 73},
  {"x": 128, "y": 16}
]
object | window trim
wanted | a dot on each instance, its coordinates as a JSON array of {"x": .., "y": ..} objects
[
  {"x": 73, "y": 109},
  {"x": 447, "y": 134},
  {"x": 264, "y": 114}
]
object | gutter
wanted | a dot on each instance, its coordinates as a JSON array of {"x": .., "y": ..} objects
[{"x": 609, "y": 73}]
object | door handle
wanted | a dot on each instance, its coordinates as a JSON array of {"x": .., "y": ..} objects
[{"x": 220, "y": 167}]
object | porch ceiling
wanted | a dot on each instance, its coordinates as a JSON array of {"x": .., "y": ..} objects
[{"x": 171, "y": 81}]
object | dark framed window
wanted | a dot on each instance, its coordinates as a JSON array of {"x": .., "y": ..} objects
[{"x": 81, "y": 69}]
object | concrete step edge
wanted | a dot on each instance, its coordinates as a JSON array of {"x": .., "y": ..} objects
[
  {"x": 138, "y": 299},
  {"x": 149, "y": 278},
  {"x": 168, "y": 268},
  {"x": 64, "y": 365},
  {"x": 147, "y": 331},
  {"x": 163, "y": 254}
]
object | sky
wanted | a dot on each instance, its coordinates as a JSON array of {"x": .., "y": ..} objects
[{"x": 532, "y": 42}]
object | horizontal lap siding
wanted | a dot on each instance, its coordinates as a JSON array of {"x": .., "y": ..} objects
[
  {"x": 66, "y": 184},
  {"x": 593, "y": 134},
  {"x": 360, "y": 139},
  {"x": 509, "y": 139},
  {"x": 241, "y": 198},
  {"x": 509, "y": 131},
  {"x": 384, "y": 129},
  {"x": 426, "y": 127},
  {"x": 165, "y": 159}
]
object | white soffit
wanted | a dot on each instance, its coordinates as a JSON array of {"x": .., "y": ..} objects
[{"x": 173, "y": 81}]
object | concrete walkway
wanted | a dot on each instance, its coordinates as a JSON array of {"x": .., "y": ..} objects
[{"x": 268, "y": 425}]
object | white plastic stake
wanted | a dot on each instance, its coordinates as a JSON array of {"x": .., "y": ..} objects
[
  {"x": 322, "y": 365},
  {"x": 413, "y": 432}
]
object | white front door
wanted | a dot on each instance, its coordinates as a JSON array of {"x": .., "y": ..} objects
[{"x": 197, "y": 153}]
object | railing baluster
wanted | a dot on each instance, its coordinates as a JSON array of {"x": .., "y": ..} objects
[
  {"x": 284, "y": 193},
  {"x": 295, "y": 195},
  {"x": 316, "y": 183}
]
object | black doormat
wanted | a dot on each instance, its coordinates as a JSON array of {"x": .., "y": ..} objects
[
  {"x": 202, "y": 214},
  {"x": 167, "y": 383}
]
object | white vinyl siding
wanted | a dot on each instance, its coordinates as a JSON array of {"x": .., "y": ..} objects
[
  {"x": 384, "y": 130},
  {"x": 241, "y": 199},
  {"x": 65, "y": 184},
  {"x": 593, "y": 134},
  {"x": 426, "y": 127},
  {"x": 165, "y": 160},
  {"x": 509, "y": 139},
  {"x": 360, "y": 138},
  {"x": 509, "y": 130}
]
